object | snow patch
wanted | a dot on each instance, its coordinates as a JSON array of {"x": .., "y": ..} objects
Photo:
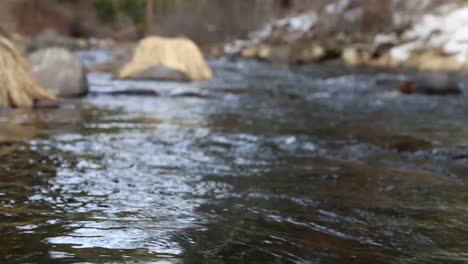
[
  {"x": 292, "y": 28},
  {"x": 448, "y": 31}
]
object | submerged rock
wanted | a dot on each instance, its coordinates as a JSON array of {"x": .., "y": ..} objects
[
  {"x": 431, "y": 83},
  {"x": 409, "y": 144},
  {"x": 180, "y": 54},
  {"x": 128, "y": 92},
  {"x": 60, "y": 72}
]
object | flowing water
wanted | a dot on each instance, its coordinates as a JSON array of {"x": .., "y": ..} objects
[{"x": 316, "y": 164}]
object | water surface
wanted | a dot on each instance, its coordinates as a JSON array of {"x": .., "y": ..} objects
[{"x": 317, "y": 164}]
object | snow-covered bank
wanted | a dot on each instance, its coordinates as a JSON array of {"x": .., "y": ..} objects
[
  {"x": 434, "y": 38},
  {"x": 288, "y": 29},
  {"x": 447, "y": 31}
]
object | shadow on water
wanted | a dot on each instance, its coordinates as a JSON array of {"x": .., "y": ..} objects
[{"x": 307, "y": 165}]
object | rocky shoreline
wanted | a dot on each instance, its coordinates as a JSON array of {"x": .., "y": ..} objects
[{"x": 435, "y": 41}]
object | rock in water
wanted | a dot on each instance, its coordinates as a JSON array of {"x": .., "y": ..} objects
[
  {"x": 60, "y": 71},
  {"x": 180, "y": 54},
  {"x": 162, "y": 73},
  {"x": 18, "y": 87},
  {"x": 431, "y": 83}
]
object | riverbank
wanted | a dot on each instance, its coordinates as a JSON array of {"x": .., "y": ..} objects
[{"x": 431, "y": 38}]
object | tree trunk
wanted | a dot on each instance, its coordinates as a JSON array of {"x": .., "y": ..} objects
[
  {"x": 286, "y": 4},
  {"x": 149, "y": 19},
  {"x": 4, "y": 33}
]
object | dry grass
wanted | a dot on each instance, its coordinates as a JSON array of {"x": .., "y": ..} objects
[
  {"x": 180, "y": 54},
  {"x": 18, "y": 87}
]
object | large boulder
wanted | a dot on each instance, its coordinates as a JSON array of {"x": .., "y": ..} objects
[
  {"x": 18, "y": 87},
  {"x": 180, "y": 54},
  {"x": 60, "y": 72}
]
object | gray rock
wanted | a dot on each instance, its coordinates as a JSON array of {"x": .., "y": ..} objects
[
  {"x": 60, "y": 72},
  {"x": 431, "y": 83},
  {"x": 161, "y": 73}
]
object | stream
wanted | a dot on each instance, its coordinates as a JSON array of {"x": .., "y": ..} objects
[{"x": 263, "y": 164}]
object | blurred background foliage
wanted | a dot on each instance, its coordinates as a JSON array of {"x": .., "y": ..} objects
[{"x": 202, "y": 20}]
